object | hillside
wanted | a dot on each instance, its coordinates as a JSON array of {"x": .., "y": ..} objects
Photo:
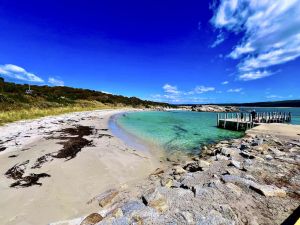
[{"x": 16, "y": 104}]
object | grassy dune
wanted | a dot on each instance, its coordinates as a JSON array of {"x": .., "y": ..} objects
[
  {"x": 34, "y": 112},
  {"x": 16, "y": 105}
]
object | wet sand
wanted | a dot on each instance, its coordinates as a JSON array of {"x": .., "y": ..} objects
[{"x": 104, "y": 163}]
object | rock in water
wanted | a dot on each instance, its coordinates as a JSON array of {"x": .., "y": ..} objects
[{"x": 92, "y": 219}]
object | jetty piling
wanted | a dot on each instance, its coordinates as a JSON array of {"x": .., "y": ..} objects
[{"x": 245, "y": 121}]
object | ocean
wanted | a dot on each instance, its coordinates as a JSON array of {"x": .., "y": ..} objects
[{"x": 183, "y": 131}]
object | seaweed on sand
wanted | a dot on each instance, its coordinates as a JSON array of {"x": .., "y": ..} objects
[
  {"x": 31, "y": 179},
  {"x": 17, "y": 171},
  {"x": 71, "y": 147}
]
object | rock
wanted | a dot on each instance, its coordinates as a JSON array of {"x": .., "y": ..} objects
[
  {"x": 227, "y": 212},
  {"x": 248, "y": 162},
  {"x": 213, "y": 218},
  {"x": 177, "y": 170},
  {"x": 155, "y": 200},
  {"x": 188, "y": 217},
  {"x": 258, "y": 142},
  {"x": 229, "y": 151},
  {"x": 268, "y": 190},
  {"x": 167, "y": 182},
  {"x": 244, "y": 147},
  {"x": 157, "y": 171},
  {"x": 92, "y": 219},
  {"x": 105, "y": 197},
  {"x": 235, "y": 189},
  {"x": 276, "y": 152},
  {"x": 117, "y": 213},
  {"x": 221, "y": 157},
  {"x": 247, "y": 155},
  {"x": 268, "y": 157},
  {"x": 192, "y": 167},
  {"x": 203, "y": 164},
  {"x": 176, "y": 184},
  {"x": 177, "y": 177},
  {"x": 237, "y": 180},
  {"x": 232, "y": 171},
  {"x": 235, "y": 163},
  {"x": 132, "y": 206}
]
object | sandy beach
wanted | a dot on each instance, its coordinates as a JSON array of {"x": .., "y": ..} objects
[{"x": 65, "y": 182}]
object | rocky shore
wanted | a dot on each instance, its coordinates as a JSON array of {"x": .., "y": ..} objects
[
  {"x": 252, "y": 180},
  {"x": 210, "y": 108}
]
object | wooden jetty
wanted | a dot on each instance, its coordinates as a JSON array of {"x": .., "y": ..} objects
[{"x": 243, "y": 121}]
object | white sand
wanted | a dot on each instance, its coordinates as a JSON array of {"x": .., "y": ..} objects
[{"x": 110, "y": 163}]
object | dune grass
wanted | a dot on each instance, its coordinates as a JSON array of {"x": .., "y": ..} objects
[{"x": 13, "y": 115}]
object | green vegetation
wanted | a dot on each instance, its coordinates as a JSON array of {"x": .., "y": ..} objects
[{"x": 15, "y": 104}]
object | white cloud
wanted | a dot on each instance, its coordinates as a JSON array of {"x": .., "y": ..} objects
[
  {"x": 253, "y": 75},
  {"x": 235, "y": 90},
  {"x": 170, "y": 89},
  {"x": 225, "y": 82},
  {"x": 55, "y": 81},
  {"x": 201, "y": 89},
  {"x": 19, "y": 73},
  {"x": 173, "y": 95},
  {"x": 271, "y": 33}
]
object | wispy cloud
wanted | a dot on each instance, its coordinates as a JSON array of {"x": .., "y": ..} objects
[
  {"x": 219, "y": 40},
  {"x": 201, "y": 89},
  {"x": 55, "y": 81},
  {"x": 272, "y": 96},
  {"x": 271, "y": 33},
  {"x": 19, "y": 73},
  {"x": 173, "y": 95},
  {"x": 235, "y": 90},
  {"x": 253, "y": 75},
  {"x": 170, "y": 89},
  {"x": 225, "y": 82}
]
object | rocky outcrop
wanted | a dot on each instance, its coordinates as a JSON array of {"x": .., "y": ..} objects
[
  {"x": 253, "y": 180},
  {"x": 214, "y": 108}
]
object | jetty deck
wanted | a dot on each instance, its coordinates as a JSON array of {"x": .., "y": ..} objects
[{"x": 244, "y": 121}]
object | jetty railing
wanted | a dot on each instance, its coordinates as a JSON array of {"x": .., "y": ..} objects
[{"x": 244, "y": 121}]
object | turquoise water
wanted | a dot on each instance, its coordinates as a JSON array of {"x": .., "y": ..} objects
[
  {"x": 184, "y": 130},
  {"x": 176, "y": 130}
]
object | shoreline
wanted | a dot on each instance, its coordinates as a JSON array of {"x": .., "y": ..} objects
[
  {"x": 249, "y": 180},
  {"x": 67, "y": 183},
  {"x": 114, "y": 175},
  {"x": 133, "y": 141}
]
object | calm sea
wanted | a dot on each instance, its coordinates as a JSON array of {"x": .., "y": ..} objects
[{"x": 183, "y": 130}]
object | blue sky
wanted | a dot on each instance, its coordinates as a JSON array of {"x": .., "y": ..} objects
[{"x": 173, "y": 50}]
